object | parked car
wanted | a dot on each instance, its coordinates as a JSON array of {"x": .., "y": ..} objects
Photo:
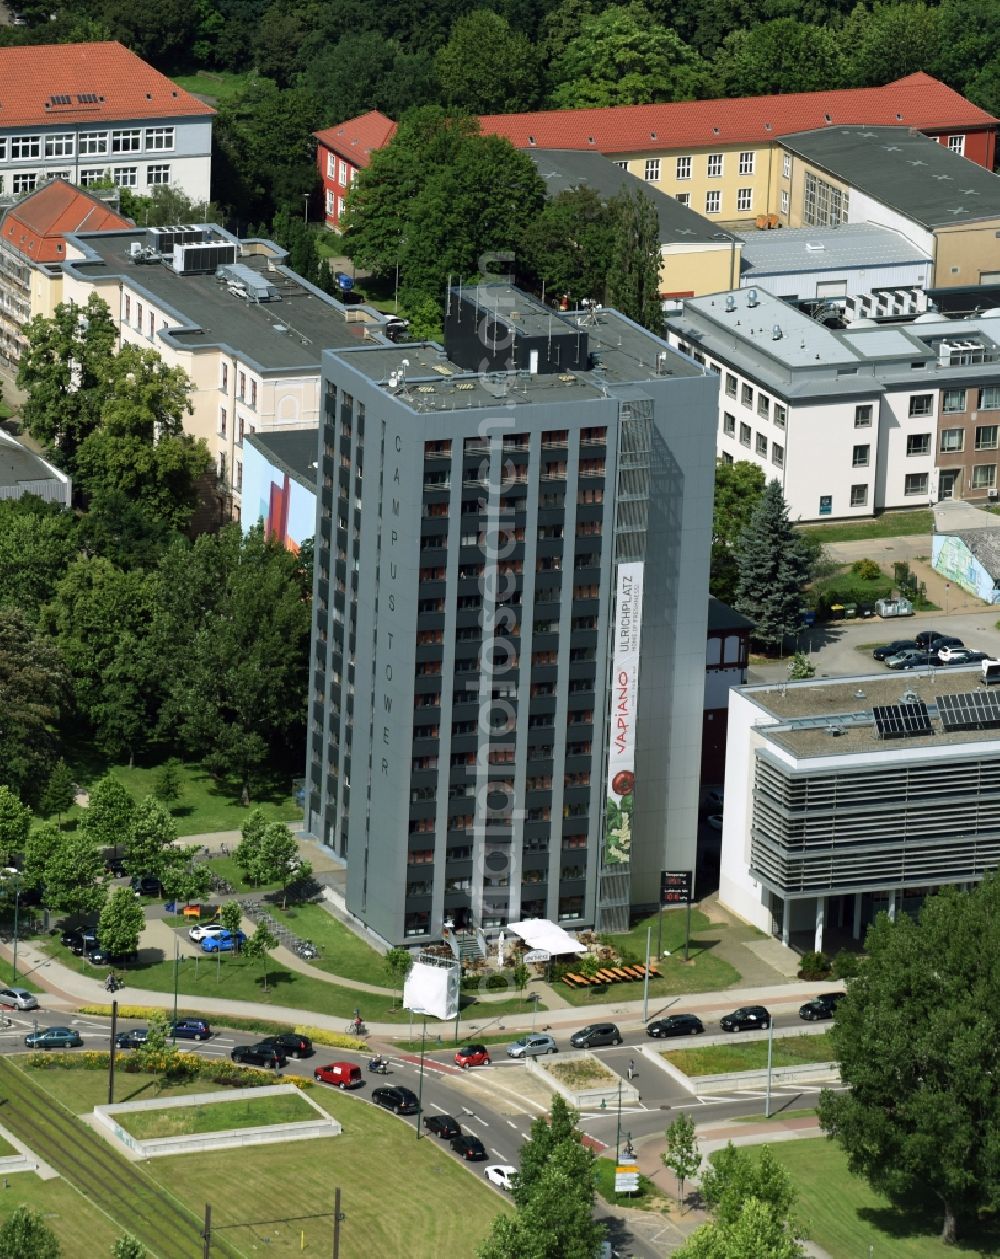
[
  {"x": 224, "y": 942},
  {"x": 54, "y": 1038},
  {"x": 532, "y": 1046},
  {"x": 500, "y": 1174},
  {"x": 676, "y": 1025},
  {"x": 596, "y": 1034},
  {"x": 927, "y": 638},
  {"x": 399, "y": 1100},
  {"x": 746, "y": 1018},
  {"x": 259, "y": 1055},
  {"x": 134, "y": 1038},
  {"x": 468, "y": 1147},
  {"x": 914, "y": 659},
  {"x": 884, "y": 650},
  {"x": 291, "y": 1044},
  {"x": 922, "y": 660},
  {"x": 191, "y": 1029},
  {"x": 203, "y": 931},
  {"x": 822, "y": 1007},
  {"x": 84, "y": 943},
  {"x": 472, "y": 1056},
  {"x": 950, "y": 653},
  {"x": 18, "y": 999},
  {"x": 145, "y": 885},
  {"x": 443, "y": 1126},
  {"x": 946, "y": 640},
  {"x": 345, "y": 1075},
  {"x": 115, "y": 866}
]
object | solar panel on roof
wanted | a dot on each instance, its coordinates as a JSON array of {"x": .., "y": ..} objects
[
  {"x": 901, "y": 721},
  {"x": 973, "y": 710},
  {"x": 85, "y": 98},
  {"x": 61, "y": 100}
]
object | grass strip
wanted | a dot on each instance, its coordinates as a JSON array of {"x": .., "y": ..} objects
[
  {"x": 243, "y": 1112},
  {"x": 751, "y": 1055}
]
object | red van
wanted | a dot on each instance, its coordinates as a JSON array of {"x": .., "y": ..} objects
[{"x": 345, "y": 1075}]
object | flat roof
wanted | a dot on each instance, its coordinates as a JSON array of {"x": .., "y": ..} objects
[
  {"x": 808, "y": 711},
  {"x": 18, "y": 464},
  {"x": 293, "y": 451},
  {"x": 628, "y": 353},
  {"x": 904, "y": 170},
  {"x": 851, "y": 246},
  {"x": 563, "y": 169},
  {"x": 281, "y": 336}
]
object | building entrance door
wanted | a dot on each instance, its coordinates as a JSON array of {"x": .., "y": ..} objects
[{"x": 947, "y": 481}]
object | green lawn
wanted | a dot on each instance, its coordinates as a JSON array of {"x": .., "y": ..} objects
[
  {"x": 776, "y": 1116},
  {"x": 244, "y": 1112},
  {"x": 840, "y": 1213},
  {"x": 23, "y": 980},
  {"x": 205, "y": 804},
  {"x": 400, "y": 1196},
  {"x": 81, "y": 1090},
  {"x": 891, "y": 524},
  {"x": 6, "y": 1149},
  {"x": 341, "y": 951},
  {"x": 219, "y": 84},
  {"x": 751, "y": 1055},
  {"x": 81, "y": 1228},
  {"x": 648, "y": 1197}
]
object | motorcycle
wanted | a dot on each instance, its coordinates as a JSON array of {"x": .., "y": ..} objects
[{"x": 378, "y": 1067}]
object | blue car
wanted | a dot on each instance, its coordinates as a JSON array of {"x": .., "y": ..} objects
[{"x": 223, "y": 942}]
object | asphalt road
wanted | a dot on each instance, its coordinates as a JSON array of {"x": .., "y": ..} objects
[{"x": 493, "y": 1103}]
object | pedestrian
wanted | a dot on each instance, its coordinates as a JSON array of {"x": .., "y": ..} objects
[{"x": 631, "y": 1068}]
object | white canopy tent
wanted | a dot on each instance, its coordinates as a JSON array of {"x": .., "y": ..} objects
[{"x": 542, "y": 933}]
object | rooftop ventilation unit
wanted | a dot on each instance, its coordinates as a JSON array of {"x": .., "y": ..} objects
[
  {"x": 140, "y": 253},
  {"x": 247, "y": 283},
  {"x": 203, "y": 257},
  {"x": 163, "y": 239},
  {"x": 730, "y": 304},
  {"x": 752, "y": 298}
]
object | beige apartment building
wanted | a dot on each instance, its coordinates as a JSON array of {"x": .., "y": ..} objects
[{"x": 248, "y": 331}]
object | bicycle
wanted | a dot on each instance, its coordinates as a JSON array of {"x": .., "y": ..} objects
[{"x": 352, "y": 1029}]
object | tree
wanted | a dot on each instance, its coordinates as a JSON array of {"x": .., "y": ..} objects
[
  {"x": 774, "y": 570},
  {"x": 801, "y": 668},
  {"x": 547, "y": 1132},
  {"x": 39, "y": 844},
  {"x": 167, "y": 787},
  {"x": 73, "y": 874},
  {"x": 121, "y": 923},
  {"x": 738, "y": 487},
  {"x": 34, "y": 690},
  {"x": 621, "y": 57},
  {"x": 511, "y": 84},
  {"x": 735, "y": 1175},
  {"x": 247, "y": 854},
  {"x": 110, "y": 812},
  {"x": 682, "y": 1155},
  {"x": 397, "y": 966},
  {"x": 15, "y": 824},
  {"x": 754, "y": 1231},
  {"x": 633, "y": 285},
  {"x": 784, "y": 55},
  {"x": 64, "y": 368},
  {"x": 153, "y": 832},
  {"x": 520, "y": 975},
  {"x": 128, "y": 1248},
  {"x": 37, "y": 542},
  {"x": 568, "y": 246},
  {"x": 363, "y": 70},
  {"x": 164, "y": 205},
  {"x": 259, "y": 945},
  {"x": 25, "y": 1235},
  {"x": 889, "y": 41},
  {"x": 918, "y": 1040},
  {"x": 279, "y": 859},
  {"x": 159, "y": 1054},
  {"x": 183, "y": 877},
  {"x": 60, "y": 791},
  {"x": 231, "y": 916}
]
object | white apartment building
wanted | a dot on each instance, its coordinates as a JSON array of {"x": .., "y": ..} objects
[
  {"x": 90, "y": 112},
  {"x": 856, "y": 421},
  {"x": 248, "y": 331}
]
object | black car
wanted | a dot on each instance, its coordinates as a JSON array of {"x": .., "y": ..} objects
[
  {"x": 443, "y": 1126},
  {"x": 145, "y": 885},
  {"x": 676, "y": 1025},
  {"x": 259, "y": 1055},
  {"x": 468, "y": 1147},
  {"x": 596, "y": 1034},
  {"x": 746, "y": 1018},
  {"x": 885, "y": 650},
  {"x": 191, "y": 1029},
  {"x": 291, "y": 1044},
  {"x": 397, "y": 1099},
  {"x": 822, "y": 1007},
  {"x": 134, "y": 1038},
  {"x": 85, "y": 944},
  {"x": 935, "y": 639},
  {"x": 115, "y": 866}
]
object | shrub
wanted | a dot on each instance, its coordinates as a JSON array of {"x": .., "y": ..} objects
[
  {"x": 191, "y": 1067},
  {"x": 495, "y": 982},
  {"x": 867, "y": 570},
  {"x": 814, "y": 966},
  {"x": 846, "y": 965},
  {"x": 336, "y": 1039}
]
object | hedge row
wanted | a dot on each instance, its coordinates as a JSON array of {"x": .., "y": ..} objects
[
  {"x": 320, "y": 1035},
  {"x": 186, "y": 1066}
]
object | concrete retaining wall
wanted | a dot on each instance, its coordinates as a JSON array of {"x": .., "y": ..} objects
[
  {"x": 198, "y": 1143},
  {"x": 584, "y": 1099},
  {"x": 805, "y": 1073}
]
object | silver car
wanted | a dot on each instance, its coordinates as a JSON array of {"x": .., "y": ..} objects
[
  {"x": 18, "y": 999},
  {"x": 532, "y": 1046}
]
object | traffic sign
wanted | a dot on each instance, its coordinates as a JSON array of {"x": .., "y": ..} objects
[
  {"x": 675, "y": 887},
  {"x": 627, "y": 1178}
]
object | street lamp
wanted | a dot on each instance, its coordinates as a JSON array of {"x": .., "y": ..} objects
[
  {"x": 16, "y": 881},
  {"x": 305, "y": 198}
]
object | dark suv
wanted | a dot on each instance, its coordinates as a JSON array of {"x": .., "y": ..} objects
[
  {"x": 676, "y": 1025},
  {"x": 399, "y": 1100},
  {"x": 596, "y": 1034},
  {"x": 259, "y": 1055},
  {"x": 191, "y": 1029},
  {"x": 291, "y": 1044},
  {"x": 822, "y": 1007},
  {"x": 885, "y": 650},
  {"x": 746, "y": 1018}
]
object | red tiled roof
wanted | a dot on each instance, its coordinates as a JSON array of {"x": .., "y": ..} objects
[
  {"x": 358, "y": 138},
  {"x": 917, "y": 101},
  {"x": 36, "y": 80},
  {"x": 35, "y": 226}
]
